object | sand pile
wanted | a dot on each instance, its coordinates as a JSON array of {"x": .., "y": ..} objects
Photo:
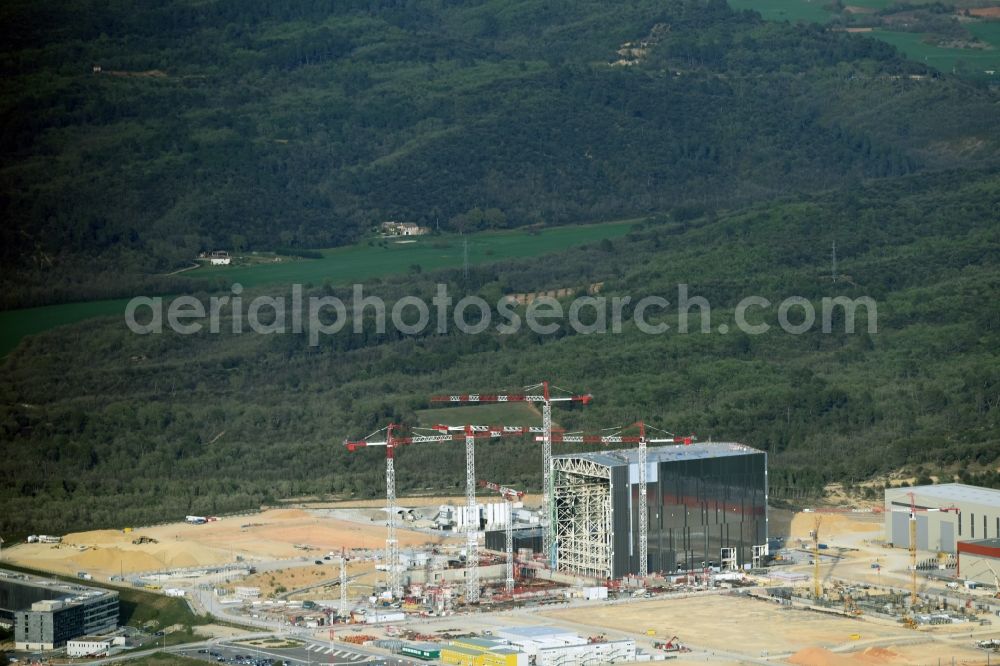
[
  {"x": 834, "y": 524},
  {"x": 287, "y": 514},
  {"x": 97, "y": 538},
  {"x": 116, "y": 559}
]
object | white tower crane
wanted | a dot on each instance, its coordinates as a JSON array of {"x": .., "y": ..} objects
[
  {"x": 545, "y": 398},
  {"x": 390, "y": 443},
  {"x": 471, "y": 433}
]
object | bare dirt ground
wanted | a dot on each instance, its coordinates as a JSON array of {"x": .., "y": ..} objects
[
  {"x": 270, "y": 534},
  {"x": 363, "y": 577},
  {"x": 723, "y": 629},
  {"x": 986, "y": 12},
  {"x": 747, "y": 626}
]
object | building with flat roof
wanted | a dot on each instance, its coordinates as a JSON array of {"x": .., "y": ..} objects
[
  {"x": 979, "y": 561},
  {"x": 947, "y": 514},
  {"x": 552, "y": 646},
  {"x": 706, "y": 504},
  {"x": 46, "y": 613},
  {"x": 482, "y": 652},
  {"x": 88, "y": 646}
]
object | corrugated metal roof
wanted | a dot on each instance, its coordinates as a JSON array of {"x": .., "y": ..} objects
[
  {"x": 949, "y": 492},
  {"x": 697, "y": 451}
]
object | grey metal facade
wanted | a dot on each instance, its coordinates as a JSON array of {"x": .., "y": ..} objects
[{"x": 701, "y": 499}]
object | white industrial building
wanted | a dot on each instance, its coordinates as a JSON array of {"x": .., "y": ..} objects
[
  {"x": 946, "y": 514},
  {"x": 979, "y": 562},
  {"x": 88, "y": 646},
  {"x": 551, "y": 646},
  {"x": 491, "y": 515}
]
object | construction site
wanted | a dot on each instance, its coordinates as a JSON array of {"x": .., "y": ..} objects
[{"x": 635, "y": 551}]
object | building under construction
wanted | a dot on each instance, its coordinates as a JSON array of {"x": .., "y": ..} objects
[{"x": 707, "y": 506}]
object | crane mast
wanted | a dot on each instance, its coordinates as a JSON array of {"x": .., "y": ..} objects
[
  {"x": 509, "y": 495},
  {"x": 471, "y": 433},
  {"x": 394, "y": 576},
  {"x": 472, "y": 521},
  {"x": 545, "y": 398},
  {"x": 343, "y": 611}
]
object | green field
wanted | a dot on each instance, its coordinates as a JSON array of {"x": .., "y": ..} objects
[
  {"x": 787, "y": 10},
  {"x": 910, "y": 44},
  {"x": 16, "y": 324},
  {"x": 511, "y": 413},
  {"x": 363, "y": 261},
  {"x": 944, "y": 59},
  {"x": 340, "y": 265}
]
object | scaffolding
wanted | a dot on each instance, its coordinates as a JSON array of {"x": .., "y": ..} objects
[{"x": 582, "y": 501}]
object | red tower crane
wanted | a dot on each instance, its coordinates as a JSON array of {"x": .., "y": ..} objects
[
  {"x": 391, "y": 442},
  {"x": 545, "y": 398}
]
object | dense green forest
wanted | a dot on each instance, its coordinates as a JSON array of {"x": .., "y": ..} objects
[
  {"x": 137, "y": 134},
  {"x": 103, "y": 427}
]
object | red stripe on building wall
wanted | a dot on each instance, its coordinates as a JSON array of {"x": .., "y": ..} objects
[{"x": 977, "y": 549}]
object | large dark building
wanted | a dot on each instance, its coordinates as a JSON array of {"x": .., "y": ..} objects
[
  {"x": 524, "y": 537},
  {"x": 707, "y": 505},
  {"x": 46, "y": 613}
]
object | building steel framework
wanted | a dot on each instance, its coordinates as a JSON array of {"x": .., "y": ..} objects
[{"x": 582, "y": 500}]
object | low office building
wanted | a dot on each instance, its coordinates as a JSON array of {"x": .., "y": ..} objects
[
  {"x": 482, "y": 652},
  {"x": 550, "y": 646},
  {"x": 945, "y": 514},
  {"x": 47, "y": 613},
  {"x": 88, "y": 646}
]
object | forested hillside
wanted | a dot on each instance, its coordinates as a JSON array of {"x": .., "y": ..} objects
[
  {"x": 103, "y": 427},
  {"x": 139, "y": 133}
]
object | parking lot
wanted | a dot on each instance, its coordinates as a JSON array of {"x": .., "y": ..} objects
[{"x": 308, "y": 653}]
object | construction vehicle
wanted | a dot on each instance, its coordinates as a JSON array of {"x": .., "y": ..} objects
[
  {"x": 673, "y": 645},
  {"x": 144, "y": 539}
]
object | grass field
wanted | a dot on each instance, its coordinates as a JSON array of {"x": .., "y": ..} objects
[
  {"x": 341, "y": 265},
  {"x": 509, "y": 413},
  {"x": 910, "y": 44},
  {"x": 810, "y": 11},
  {"x": 363, "y": 261},
  {"x": 16, "y": 324},
  {"x": 947, "y": 59}
]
